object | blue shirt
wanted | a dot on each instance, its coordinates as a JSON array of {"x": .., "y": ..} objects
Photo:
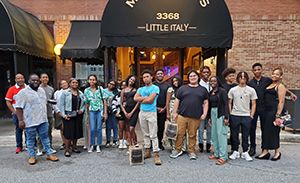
[{"x": 146, "y": 91}]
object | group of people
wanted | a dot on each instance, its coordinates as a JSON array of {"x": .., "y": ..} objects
[{"x": 203, "y": 103}]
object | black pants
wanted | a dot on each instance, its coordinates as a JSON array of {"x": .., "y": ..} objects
[
  {"x": 161, "y": 118},
  {"x": 245, "y": 123},
  {"x": 261, "y": 114}
]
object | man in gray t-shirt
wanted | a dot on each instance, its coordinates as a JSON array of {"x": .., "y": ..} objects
[
  {"x": 242, "y": 105},
  {"x": 44, "y": 78}
]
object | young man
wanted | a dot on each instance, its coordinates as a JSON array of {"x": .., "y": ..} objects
[
  {"x": 259, "y": 83},
  {"x": 31, "y": 111},
  {"x": 161, "y": 105},
  {"x": 204, "y": 81},
  {"x": 11, "y": 102},
  {"x": 240, "y": 99},
  {"x": 190, "y": 107},
  {"x": 49, "y": 94},
  {"x": 147, "y": 96},
  {"x": 229, "y": 76}
]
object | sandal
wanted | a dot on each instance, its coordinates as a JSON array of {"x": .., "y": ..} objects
[
  {"x": 221, "y": 161},
  {"x": 76, "y": 150},
  {"x": 212, "y": 157}
]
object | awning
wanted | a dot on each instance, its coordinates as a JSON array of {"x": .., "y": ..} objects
[
  {"x": 167, "y": 23},
  {"x": 23, "y": 32},
  {"x": 83, "y": 40}
]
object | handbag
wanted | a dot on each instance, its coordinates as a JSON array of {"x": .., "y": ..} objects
[
  {"x": 171, "y": 130},
  {"x": 284, "y": 120}
]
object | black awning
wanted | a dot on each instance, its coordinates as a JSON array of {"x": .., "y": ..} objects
[
  {"x": 83, "y": 40},
  {"x": 23, "y": 32},
  {"x": 167, "y": 23}
]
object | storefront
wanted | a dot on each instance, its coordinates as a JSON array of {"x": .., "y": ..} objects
[
  {"x": 177, "y": 37},
  {"x": 83, "y": 48},
  {"x": 26, "y": 46}
]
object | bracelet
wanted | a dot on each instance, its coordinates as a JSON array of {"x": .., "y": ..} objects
[{"x": 278, "y": 115}]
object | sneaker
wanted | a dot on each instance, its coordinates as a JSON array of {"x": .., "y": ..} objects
[
  {"x": 234, "y": 155},
  {"x": 246, "y": 156},
  {"x": 62, "y": 147},
  {"x": 200, "y": 148},
  {"x": 98, "y": 149},
  {"x": 53, "y": 151},
  {"x": 115, "y": 144},
  {"x": 176, "y": 154},
  {"x": 107, "y": 145},
  {"x": 192, "y": 156},
  {"x": 252, "y": 151},
  {"x": 18, "y": 150},
  {"x": 84, "y": 148},
  {"x": 126, "y": 143},
  {"x": 91, "y": 149},
  {"x": 39, "y": 152},
  {"x": 121, "y": 144}
]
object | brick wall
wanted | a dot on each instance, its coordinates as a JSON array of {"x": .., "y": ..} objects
[{"x": 266, "y": 31}]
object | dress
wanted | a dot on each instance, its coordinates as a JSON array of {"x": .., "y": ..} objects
[
  {"x": 73, "y": 128},
  {"x": 129, "y": 106},
  {"x": 270, "y": 132}
]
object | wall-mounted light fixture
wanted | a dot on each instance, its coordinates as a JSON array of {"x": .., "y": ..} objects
[{"x": 57, "y": 49}]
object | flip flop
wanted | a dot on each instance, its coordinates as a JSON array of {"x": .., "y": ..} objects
[
  {"x": 212, "y": 157},
  {"x": 221, "y": 161}
]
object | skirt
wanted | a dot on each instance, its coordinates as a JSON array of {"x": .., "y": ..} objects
[{"x": 73, "y": 128}]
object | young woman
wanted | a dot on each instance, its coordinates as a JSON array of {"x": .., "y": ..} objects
[
  {"x": 218, "y": 116},
  {"x": 176, "y": 82},
  {"x": 130, "y": 108},
  {"x": 111, "y": 123},
  {"x": 116, "y": 109},
  {"x": 96, "y": 105},
  {"x": 274, "y": 103},
  {"x": 71, "y": 108}
]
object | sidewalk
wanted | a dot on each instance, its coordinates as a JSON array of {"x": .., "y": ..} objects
[{"x": 7, "y": 136}]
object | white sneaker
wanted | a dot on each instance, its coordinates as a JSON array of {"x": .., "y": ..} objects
[
  {"x": 234, "y": 155},
  {"x": 39, "y": 152},
  {"x": 121, "y": 143},
  {"x": 126, "y": 143},
  {"x": 53, "y": 151},
  {"x": 91, "y": 149},
  {"x": 98, "y": 150},
  {"x": 246, "y": 156},
  {"x": 124, "y": 146}
]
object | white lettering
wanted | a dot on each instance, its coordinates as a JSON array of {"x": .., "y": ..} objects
[
  {"x": 204, "y": 3},
  {"x": 131, "y": 3}
]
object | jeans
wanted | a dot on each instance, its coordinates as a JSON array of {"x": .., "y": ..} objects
[
  {"x": 261, "y": 114},
  {"x": 161, "y": 119},
  {"x": 219, "y": 134},
  {"x": 204, "y": 124},
  {"x": 245, "y": 123},
  {"x": 31, "y": 133},
  {"x": 148, "y": 122},
  {"x": 111, "y": 124},
  {"x": 18, "y": 133},
  {"x": 50, "y": 123},
  {"x": 96, "y": 127}
]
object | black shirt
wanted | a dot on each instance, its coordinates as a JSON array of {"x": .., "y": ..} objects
[
  {"x": 260, "y": 86},
  {"x": 213, "y": 100},
  {"x": 191, "y": 101},
  {"x": 162, "y": 97},
  {"x": 227, "y": 86}
]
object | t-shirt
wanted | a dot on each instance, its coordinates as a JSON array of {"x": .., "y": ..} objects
[
  {"x": 11, "y": 93},
  {"x": 191, "y": 101},
  {"x": 49, "y": 94},
  {"x": 241, "y": 99},
  {"x": 163, "y": 87},
  {"x": 34, "y": 106},
  {"x": 146, "y": 91},
  {"x": 260, "y": 86},
  {"x": 227, "y": 86}
]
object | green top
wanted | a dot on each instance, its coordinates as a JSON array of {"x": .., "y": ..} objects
[{"x": 95, "y": 99}]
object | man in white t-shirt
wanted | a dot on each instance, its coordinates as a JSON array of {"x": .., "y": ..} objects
[{"x": 242, "y": 106}]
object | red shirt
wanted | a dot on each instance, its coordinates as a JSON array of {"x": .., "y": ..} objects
[{"x": 12, "y": 91}]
